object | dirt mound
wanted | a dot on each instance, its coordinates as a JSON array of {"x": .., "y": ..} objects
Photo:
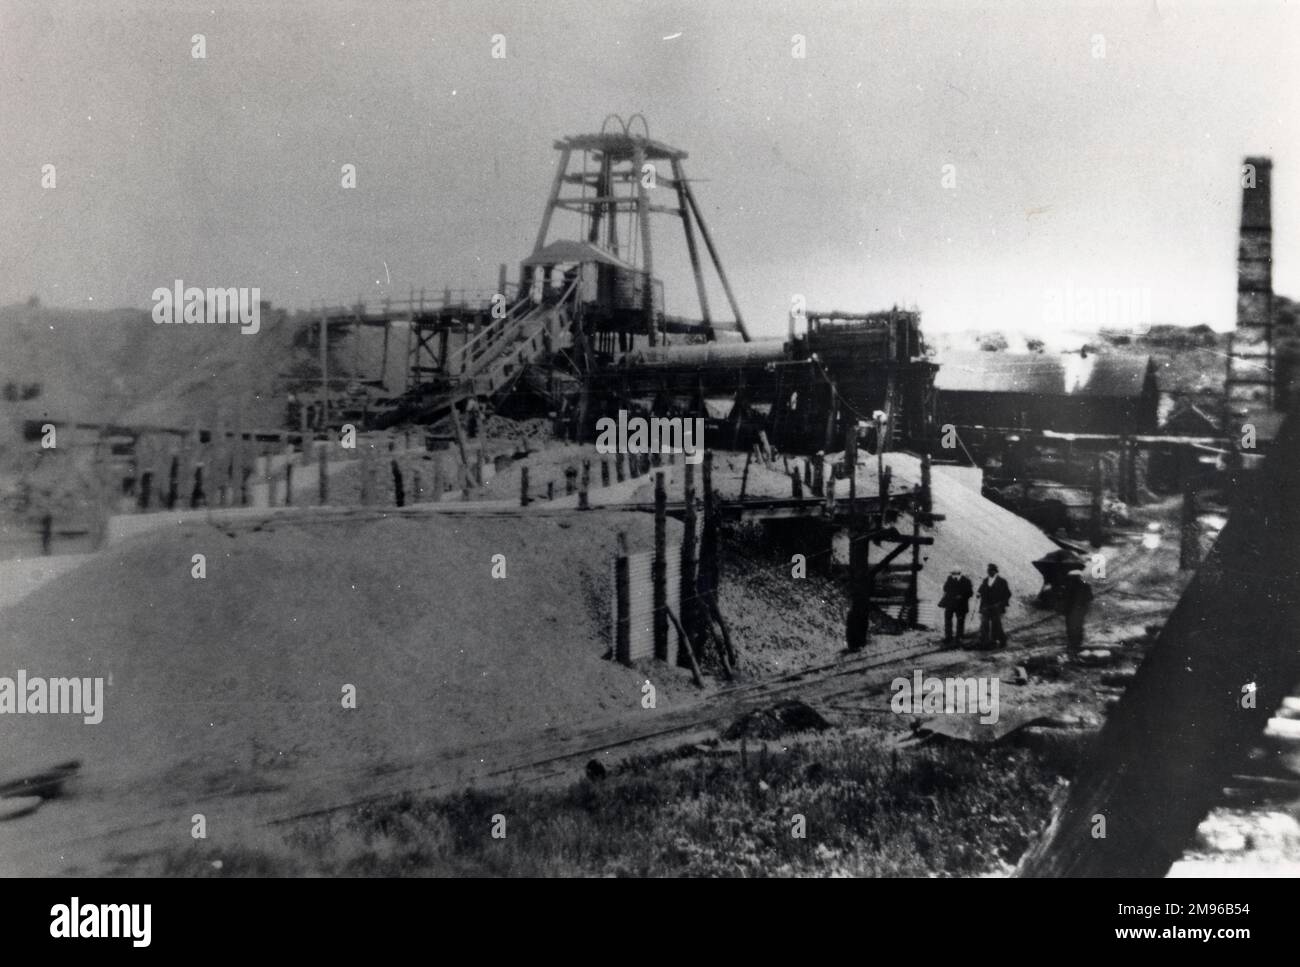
[
  {"x": 785, "y": 718},
  {"x": 246, "y": 670}
]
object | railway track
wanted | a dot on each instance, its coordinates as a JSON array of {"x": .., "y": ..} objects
[{"x": 128, "y": 826}]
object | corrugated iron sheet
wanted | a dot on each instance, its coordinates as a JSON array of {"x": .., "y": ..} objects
[
  {"x": 640, "y": 596},
  {"x": 1042, "y": 374}
]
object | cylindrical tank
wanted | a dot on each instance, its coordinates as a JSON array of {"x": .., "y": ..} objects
[{"x": 711, "y": 354}]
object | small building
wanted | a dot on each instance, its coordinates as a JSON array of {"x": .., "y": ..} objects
[{"x": 1108, "y": 393}]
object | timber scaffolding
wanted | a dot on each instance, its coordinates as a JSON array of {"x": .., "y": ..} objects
[
  {"x": 584, "y": 331},
  {"x": 446, "y": 339}
]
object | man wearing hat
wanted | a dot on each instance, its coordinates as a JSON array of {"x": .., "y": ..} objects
[
  {"x": 1078, "y": 597},
  {"x": 957, "y": 592},
  {"x": 995, "y": 595}
]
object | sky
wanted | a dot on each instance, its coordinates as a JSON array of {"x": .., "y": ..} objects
[{"x": 987, "y": 164}]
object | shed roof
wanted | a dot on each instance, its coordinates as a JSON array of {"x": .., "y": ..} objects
[
  {"x": 566, "y": 250},
  {"x": 1109, "y": 375}
]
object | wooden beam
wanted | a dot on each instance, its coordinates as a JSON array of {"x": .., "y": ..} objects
[
  {"x": 550, "y": 202},
  {"x": 717, "y": 263}
]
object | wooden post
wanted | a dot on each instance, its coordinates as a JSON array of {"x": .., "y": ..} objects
[
  {"x": 550, "y": 490},
  {"x": 744, "y": 477},
  {"x": 399, "y": 490},
  {"x": 604, "y": 473},
  {"x": 173, "y": 481},
  {"x": 819, "y": 474},
  {"x": 322, "y": 466},
  {"x": 681, "y": 634},
  {"x": 659, "y": 571},
  {"x": 623, "y": 604},
  {"x": 460, "y": 438},
  {"x": 237, "y": 459},
  {"x": 927, "y": 494},
  {"x": 687, "y": 603},
  {"x": 618, "y": 467},
  {"x": 267, "y": 476},
  {"x": 830, "y": 417},
  {"x": 886, "y": 476},
  {"x": 1189, "y": 547},
  {"x": 323, "y": 338},
  {"x": 913, "y": 598},
  {"x": 524, "y": 498},
  {"x": 570, "y": 481},
  {"x": 199, "y": 495},
  {"x": 585, "y": 485},
  {"x": 1128, "y": 472},
  {"x": 417, "y": 487},
  {"x": 365, "y": 476},
  {"x": 439, "y": 485},
  {"x": 851, "y": 462},
  {"x": 288, "y": 483},
  {"x": 796, "y": 484}
]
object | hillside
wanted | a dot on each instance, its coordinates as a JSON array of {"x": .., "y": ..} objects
[{"x": 118, "y": 365}]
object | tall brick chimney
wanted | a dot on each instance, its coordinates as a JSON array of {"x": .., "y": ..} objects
[{"x": 1249, "y": 385}]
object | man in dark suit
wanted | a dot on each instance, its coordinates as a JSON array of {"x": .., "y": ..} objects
[
  {"x": 957, "y": 592},
  {"x": 1078, "y": 597},
  {"x": 995, "y": 595}
]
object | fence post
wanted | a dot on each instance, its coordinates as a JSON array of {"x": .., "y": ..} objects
[
  {"x": 399, "y": 491},
  {"x": 524, "y": 499},
  {"x": 173, "y": 481},
  {"x": 586, "y": 483},
  {"x": 365, "y": 476},
  {"x": 322, "y": 466},
  {"x": 686, "y": 601},
  {"x": 659, "y": 571},
  {"x": 1189, "y": 534},
  {"x": 622, "y": 603}
]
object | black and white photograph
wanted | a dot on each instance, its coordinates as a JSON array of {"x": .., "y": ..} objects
[{"x": 650, "y": 439}]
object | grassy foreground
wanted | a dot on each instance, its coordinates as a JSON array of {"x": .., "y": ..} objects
[{"x": 939, "y": 811}]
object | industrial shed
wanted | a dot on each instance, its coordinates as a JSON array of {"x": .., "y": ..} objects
[{"x": 1069, "y": 392}]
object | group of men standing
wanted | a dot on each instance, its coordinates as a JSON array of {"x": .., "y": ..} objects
[{"x": 994, "y": 595}]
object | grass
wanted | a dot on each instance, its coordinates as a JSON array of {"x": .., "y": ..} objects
[{"x": 950, "y": 810}]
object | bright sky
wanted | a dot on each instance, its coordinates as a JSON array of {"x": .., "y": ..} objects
[{"x": 822, "y": 175}]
